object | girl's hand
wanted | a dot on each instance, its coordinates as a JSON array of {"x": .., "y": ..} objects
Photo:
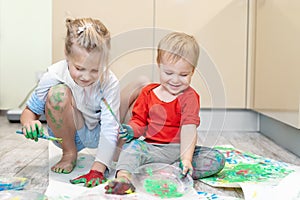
[
  {"x": 91, "y": 179},
  {"x": 32, "y": 130},
  {"x": 186, "y": 167}
]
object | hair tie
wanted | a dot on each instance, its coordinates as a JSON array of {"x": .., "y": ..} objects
[{"x": 83, "y": 28}]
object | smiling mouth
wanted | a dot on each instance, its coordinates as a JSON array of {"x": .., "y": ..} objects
[
  {"x": 84, "y": 83},
  {"x": 174, "y": 86}
]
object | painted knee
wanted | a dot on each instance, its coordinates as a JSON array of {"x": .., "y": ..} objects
[
  {"x": 58, "y": 98},
  {"x": 207, "y": 162}
]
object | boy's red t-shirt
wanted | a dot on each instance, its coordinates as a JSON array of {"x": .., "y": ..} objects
[{"x": 160, "y": 122}]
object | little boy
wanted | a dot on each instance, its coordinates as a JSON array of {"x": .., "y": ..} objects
[{"x": 166, "y": 114}]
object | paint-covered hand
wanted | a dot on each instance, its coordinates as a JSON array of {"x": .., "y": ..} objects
[
  {"x": 91, "y": 179},
  {"x": 186, "y": 167},
  {"x": 119, "y": 187},
  {"x": 33, "y": 130},
  {"x": 127, "y": 133}
]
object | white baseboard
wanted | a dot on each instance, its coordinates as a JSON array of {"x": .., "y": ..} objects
[
  {"x": 14, "y": 115},
  {"x": 228, "y": 120}
]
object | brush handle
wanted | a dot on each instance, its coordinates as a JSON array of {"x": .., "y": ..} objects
[
  {"x": 46, "y": 137},
  {"x": 113, "y": 114}
]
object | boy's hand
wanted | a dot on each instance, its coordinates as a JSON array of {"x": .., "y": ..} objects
[
  {"x": 33, "y": 130},
  {"x": 127, "y": 133},
  {"x": 186, "y": 167},
  {"x": 119, "y": 187},
  {"x": 91, "y": 179}
]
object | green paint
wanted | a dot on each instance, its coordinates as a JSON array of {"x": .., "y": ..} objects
[
  {"x": 57, "y": 94},
  {"x": 161, "y": 188},
  {"x": 143, "y": 145},
  {"x": 57, "y": 97},
  {"x": 247, "y": 167},
  {"x": 81, "y": 159},
  {"x": 243, "y": 172},
  {"x": 53, "y": 120},
  {"x": 149, "y": 171},
  {"x": 109, "y": 191},
  {"x": 57, "y": 107}
]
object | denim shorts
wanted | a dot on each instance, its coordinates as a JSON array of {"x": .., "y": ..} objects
[{"x": 84, "y": 138}]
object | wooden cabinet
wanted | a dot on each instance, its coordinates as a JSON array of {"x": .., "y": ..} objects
[
  {"x": 137, "y": 26},
  {"x": 277, "y": 65},
  {"x": 221, "y": 29}
]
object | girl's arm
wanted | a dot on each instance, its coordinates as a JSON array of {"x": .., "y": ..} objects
[
  {"x": 28, "y": 116},
  {"x": 188, "y": 140},
  {"x": 109, "y": 126},
  {"x": 31, "y": 126}
]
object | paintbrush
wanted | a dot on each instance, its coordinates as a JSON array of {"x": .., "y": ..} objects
[
  {"x": 113, "y": 114},
  {"x": 46, "y": 137}
]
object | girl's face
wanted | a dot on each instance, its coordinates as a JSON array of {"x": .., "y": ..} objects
[
  {"x": 175, "y": 77},
  {"x": 84, "y": 66}
]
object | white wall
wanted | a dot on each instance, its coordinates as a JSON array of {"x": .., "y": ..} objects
[{"x": 25, "y": 47}]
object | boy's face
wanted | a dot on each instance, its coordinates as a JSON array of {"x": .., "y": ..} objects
[
  {"x": 175, "y": 77},
  {"x": 83, "y": 66}
]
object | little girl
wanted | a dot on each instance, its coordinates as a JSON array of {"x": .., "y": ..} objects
[{"x": 70, "y": 95}]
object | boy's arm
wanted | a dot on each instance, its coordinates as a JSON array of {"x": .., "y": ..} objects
[
  {"x": 138, "y": 121},
  {"x": 188, "y": 140}
]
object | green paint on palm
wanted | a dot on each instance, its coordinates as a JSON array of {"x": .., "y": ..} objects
[{"x": 162, "y": 188}]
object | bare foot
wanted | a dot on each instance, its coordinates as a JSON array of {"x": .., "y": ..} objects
[{"x": 66, "y": 164}]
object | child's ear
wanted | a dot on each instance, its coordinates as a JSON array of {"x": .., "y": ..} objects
[{"x": 193, "y": 70}]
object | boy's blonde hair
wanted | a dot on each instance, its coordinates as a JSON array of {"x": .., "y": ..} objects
[
  {"x": 90, "y": 34},
  {"x": 176, "y": 45}
]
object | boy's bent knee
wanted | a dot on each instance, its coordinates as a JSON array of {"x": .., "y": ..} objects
[{"x": 207, "y": 162}]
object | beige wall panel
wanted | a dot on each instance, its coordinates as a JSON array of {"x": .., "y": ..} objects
[
  {"x": 220, "y": 27},
  {"x": 277, "y": 67},
  {"x": 126, "y": 21}
]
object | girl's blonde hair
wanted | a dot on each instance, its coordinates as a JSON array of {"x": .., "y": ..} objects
[
  {"x": 176, "y": 46},
  {"x": 92, "y": 35}
]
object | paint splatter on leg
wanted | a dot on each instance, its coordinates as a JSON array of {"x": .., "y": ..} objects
[{"x": 66, "y": 164}]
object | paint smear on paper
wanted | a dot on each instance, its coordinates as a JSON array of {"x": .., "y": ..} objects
[
  {"x": 241, "y": 167},
  {"x": 210, "y": 196},
  {"x": 13, "y": 183},
  {"x": 161, "y": 188}
]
